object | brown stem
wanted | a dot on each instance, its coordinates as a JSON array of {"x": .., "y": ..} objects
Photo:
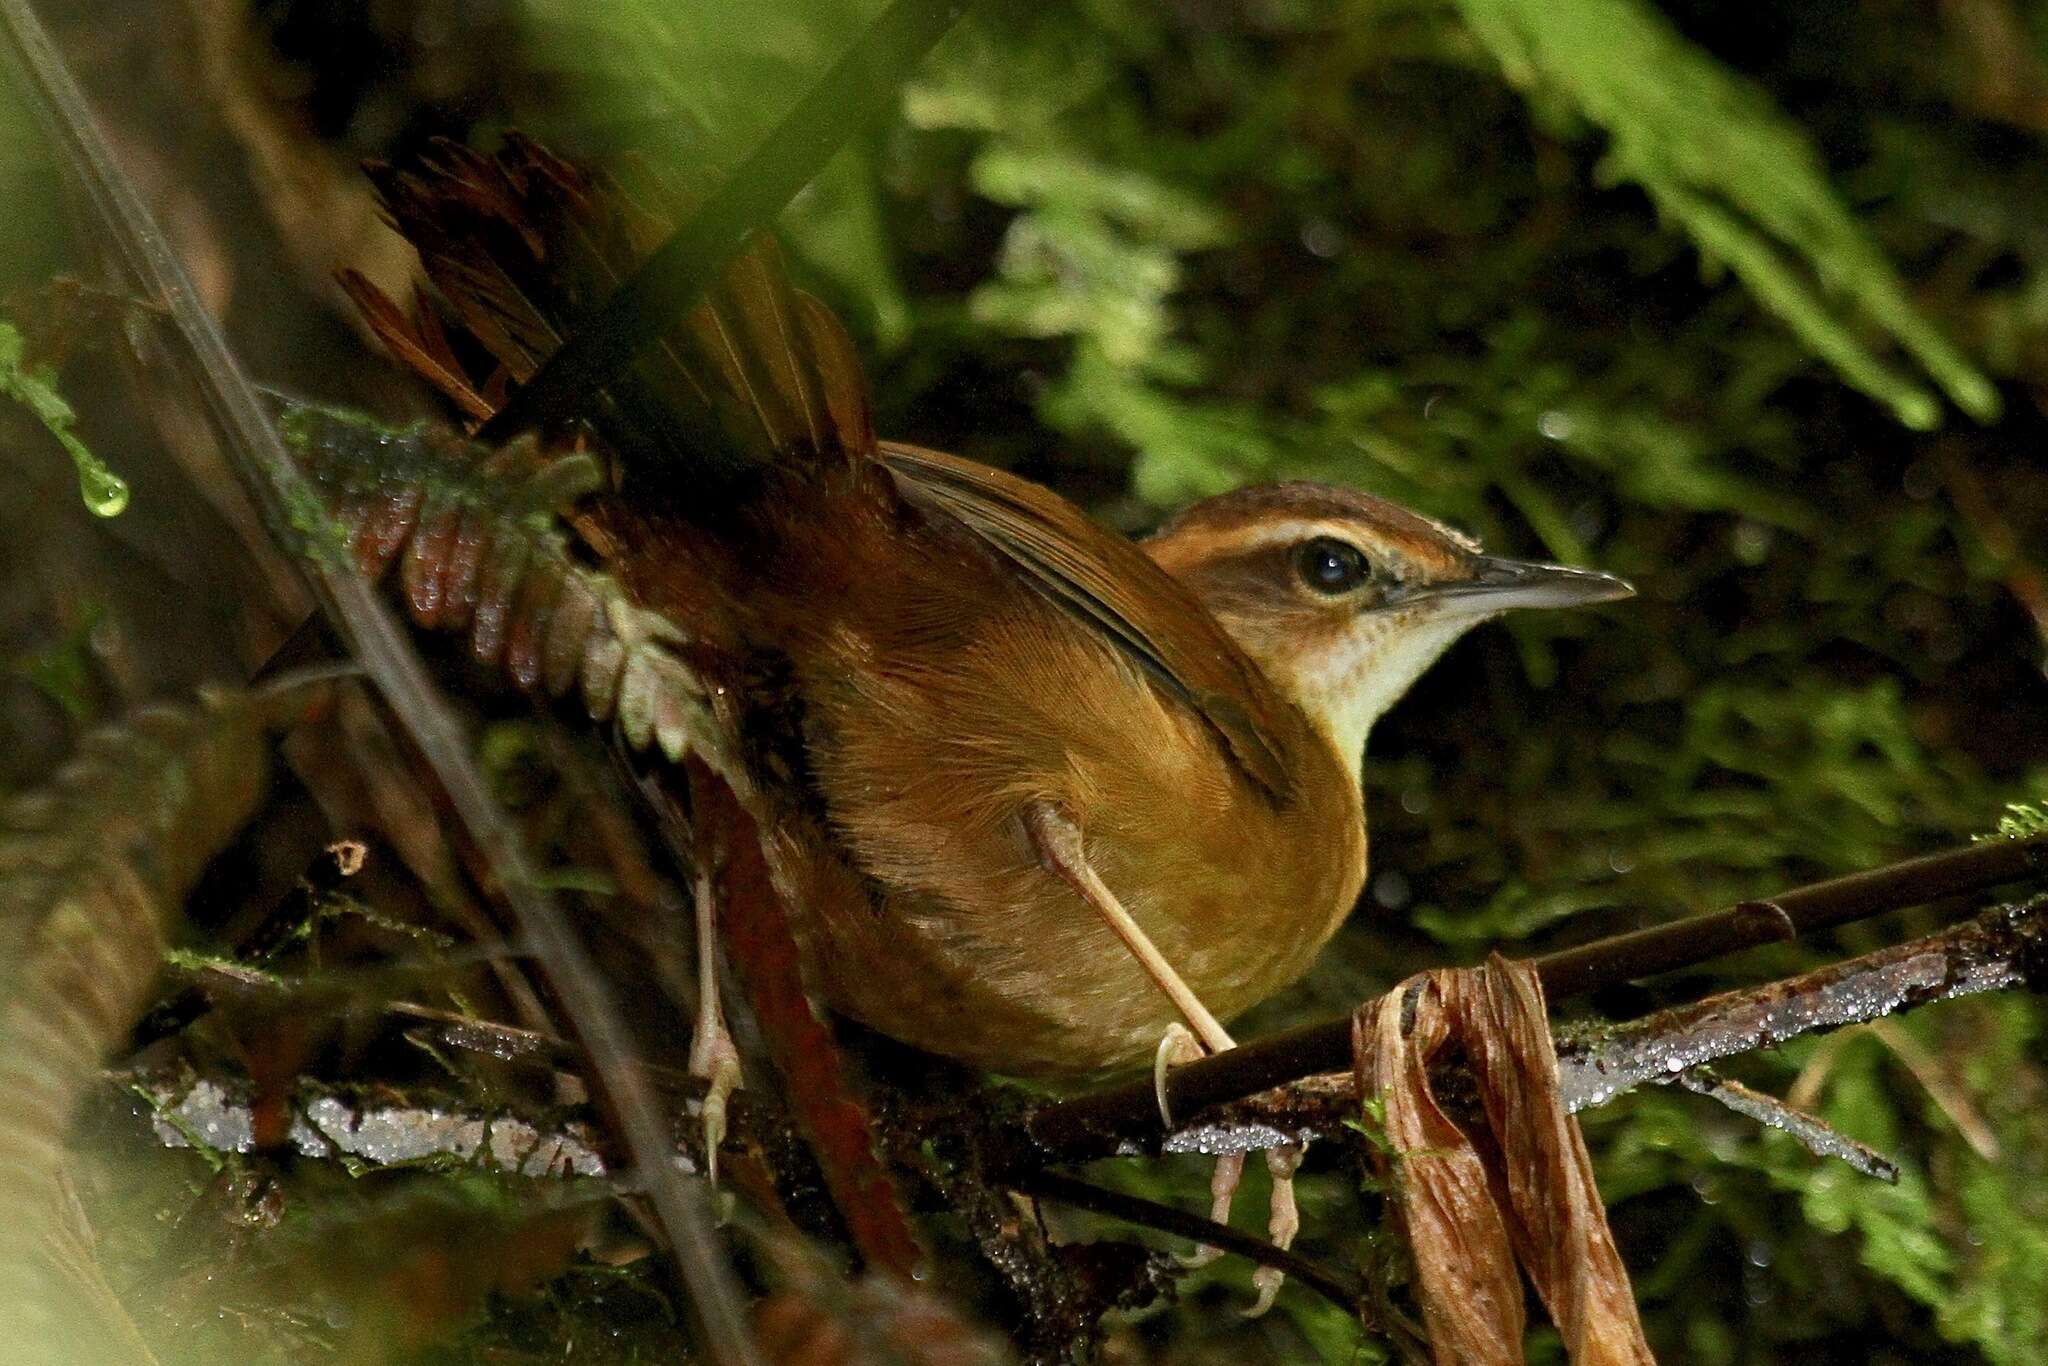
[{"x": 1125, "y": 1118}]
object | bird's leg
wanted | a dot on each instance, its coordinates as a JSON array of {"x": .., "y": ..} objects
[
  {"x": 1283, "y": 1221},
  {"x": 1058, "y": 842},
  {"x": 713, "y": 1058}
]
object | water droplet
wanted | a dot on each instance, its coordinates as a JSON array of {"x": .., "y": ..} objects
[
  {"x": 1391, "y": 890},
  {"x": 1321, "y": 238},
  {"x": 1556, "y": 424},
  {"x": 104, "y": 492},
  {"x": 1750, "y": 542}
]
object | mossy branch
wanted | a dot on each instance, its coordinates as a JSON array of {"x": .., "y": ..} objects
[{"x": 1121, "y": 1118}]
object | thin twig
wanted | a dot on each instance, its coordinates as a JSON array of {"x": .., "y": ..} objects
[
  {"x": 1133, "y": 1209},
  {"x": 1125, "y": 1117},
  {"x": 376, "y": 640},
  {"x": 1820, "y": 1137}
]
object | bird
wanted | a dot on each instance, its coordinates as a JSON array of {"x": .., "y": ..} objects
[
  {"x": 1041, "y": 797},
  {"x": 1093, "y": 822}
]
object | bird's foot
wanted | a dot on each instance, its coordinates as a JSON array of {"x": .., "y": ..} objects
[
  {"x": 1283, "y": 1221},
  {"x": 715, "y": 1061},
  {"x": 1063, "y": 851},
  {"x": 714, "y": 1058},
  {"x": 1178, "y": 1045},
  {"x": 1283, "y": 1216}
]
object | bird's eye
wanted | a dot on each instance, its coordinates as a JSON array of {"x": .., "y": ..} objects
[{"x": 1331, "y": 566}]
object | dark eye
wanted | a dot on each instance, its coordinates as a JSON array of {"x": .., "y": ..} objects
[{"x": 1331, "y": 566}]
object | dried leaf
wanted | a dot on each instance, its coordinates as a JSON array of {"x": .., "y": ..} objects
[{"x": 1519, "y": 1192}]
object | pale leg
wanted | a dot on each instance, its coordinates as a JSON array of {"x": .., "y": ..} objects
[
  {"x": 1059, "y": 845},
  {"x": 1283, "y": 1221},
  {"x": 713, "y": 1058},
  {"x": 1058, "y": 841}
]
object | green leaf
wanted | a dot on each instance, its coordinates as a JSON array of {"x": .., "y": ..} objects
[
  {"x": 34, "y": 387},
  {"x": 1718, "y": 157}
]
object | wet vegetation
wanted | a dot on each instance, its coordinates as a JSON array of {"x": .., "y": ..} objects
[{"x": 1746, "y": 306}]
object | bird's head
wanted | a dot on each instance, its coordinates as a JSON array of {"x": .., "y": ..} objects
[{"x": 1343, "y": 599}]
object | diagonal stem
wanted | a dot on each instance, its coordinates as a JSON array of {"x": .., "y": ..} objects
[
  {"x": 1133, "y": 1209},
  {"x": 375, "y": 638},
  {"x": 672, "y": 279}
]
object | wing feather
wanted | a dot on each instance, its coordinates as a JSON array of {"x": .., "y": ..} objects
[
  {"x": 522, "y": 248},
  {"x": 1111, "y": 586}
]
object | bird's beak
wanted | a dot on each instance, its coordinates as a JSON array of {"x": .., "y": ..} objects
[{"x": 1501, "y": 585}]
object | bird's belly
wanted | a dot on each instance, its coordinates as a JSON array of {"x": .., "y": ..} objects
[
  {"x": 1043, "y": 987},
  {"x": 928, "y": 760}
]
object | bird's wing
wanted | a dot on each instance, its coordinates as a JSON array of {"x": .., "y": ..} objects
[{"x": 1111, "y": 586}]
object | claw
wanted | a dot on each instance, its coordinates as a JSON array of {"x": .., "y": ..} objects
[
  {"x": 1283, "y": 1221},
  {"x": 717, "y": 1062},
  {"x": 1176, "y": 1046}
]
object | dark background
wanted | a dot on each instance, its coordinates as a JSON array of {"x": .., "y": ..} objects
[{"x": 1643, "y": 287}]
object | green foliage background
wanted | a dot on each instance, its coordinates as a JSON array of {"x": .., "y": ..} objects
[
  {"x": 1694, "y": 293},
  {"x": 1748, "y": 304}
]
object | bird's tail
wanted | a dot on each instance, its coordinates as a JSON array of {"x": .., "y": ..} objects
[{"x": 521, "y": 248}]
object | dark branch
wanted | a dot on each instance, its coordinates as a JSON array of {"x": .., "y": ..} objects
[
  {"x": 2002, "y": 948},
  {"x": 1133, "y": 1209},
  {"x": 1803, "y": 910},
  {"x": 1126, "y": 1117}
]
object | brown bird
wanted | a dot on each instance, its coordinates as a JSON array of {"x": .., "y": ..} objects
[
  {"x": 1104, "y": 788},
  {"x": 1036, "y": 793}
]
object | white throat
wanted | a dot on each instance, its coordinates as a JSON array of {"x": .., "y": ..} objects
[{"x": 1368, "y": 674}]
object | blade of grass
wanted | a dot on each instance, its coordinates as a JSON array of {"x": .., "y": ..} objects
[{"x": 672, "y": 279}]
